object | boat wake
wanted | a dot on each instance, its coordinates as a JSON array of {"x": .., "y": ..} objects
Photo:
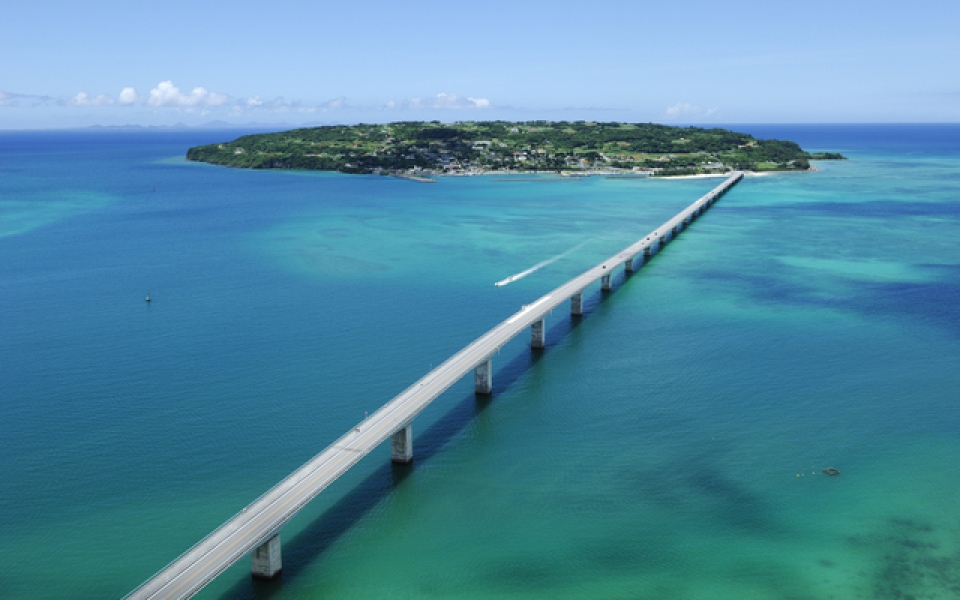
[{"x": 538, "y": 266}]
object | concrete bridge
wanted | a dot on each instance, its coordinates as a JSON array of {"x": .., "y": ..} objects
[{"x": 256, "y": 528}]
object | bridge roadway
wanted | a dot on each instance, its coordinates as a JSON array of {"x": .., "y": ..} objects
[{"x": 264, "y": 517}]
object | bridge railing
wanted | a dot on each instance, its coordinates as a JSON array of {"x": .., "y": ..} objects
[{"x": 517, "y": 322}]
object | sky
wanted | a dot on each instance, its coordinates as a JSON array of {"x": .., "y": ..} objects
[{"x": 76, "y": 64}]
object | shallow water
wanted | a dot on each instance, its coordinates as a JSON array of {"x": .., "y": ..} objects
[{"x": 669, "y": 444}]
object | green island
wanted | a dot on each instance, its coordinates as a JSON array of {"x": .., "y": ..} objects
[{"x": 421, "y": 149}]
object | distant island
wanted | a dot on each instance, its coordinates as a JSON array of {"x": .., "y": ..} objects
[{"x": 420, "y": 149}]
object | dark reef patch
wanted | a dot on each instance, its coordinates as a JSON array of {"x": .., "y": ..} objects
[
  {"x": 878, "y": 209},
  {"x": 525, "y": 575},
  {"x": 910, "y": 563},
  {"x": 937, "y": 302},
  {"x": 697, "y": 482}
]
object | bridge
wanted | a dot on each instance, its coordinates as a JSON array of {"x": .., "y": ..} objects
[{"x": 256, "y": 528}]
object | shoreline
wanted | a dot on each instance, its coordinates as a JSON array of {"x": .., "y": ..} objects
[
  {"x": 536, "y": 176},
  {"x": 416, "y": 178}
]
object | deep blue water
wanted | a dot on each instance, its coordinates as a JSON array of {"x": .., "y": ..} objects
[{"x": 667, "y": 445}]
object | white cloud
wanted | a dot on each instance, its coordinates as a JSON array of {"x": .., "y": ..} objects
[
  {"x": 444, "y": 100},
  {"x": 128, "y": 96},
  {"x": 85, "y": 99},
  {"x": 13, "y": 99},
  {"x": 277, "y": 105},
  {"x": 685, "y": 109},
  {"x": 167, "y": 94},
  {"x": 339, "y": 102},
  {"x": 282, "y": 105}
]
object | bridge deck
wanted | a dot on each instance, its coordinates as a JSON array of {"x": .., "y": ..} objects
[{"x": 186, "y": 575}]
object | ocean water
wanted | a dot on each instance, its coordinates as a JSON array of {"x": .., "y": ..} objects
[{"x": 669, "y": 444}]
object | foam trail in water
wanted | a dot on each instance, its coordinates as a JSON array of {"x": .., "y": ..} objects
[{"x": 537, "y": 266}]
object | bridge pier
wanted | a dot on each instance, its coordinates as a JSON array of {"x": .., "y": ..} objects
[
  {"x": 265, "y": 561},
  {"x": 628, "y": 266},
  {"x": 605, "y": 283},
  {"x": 401, "y": 445},
  {"x": 576, "y": 304},
  {"x": 257, "y": 527},
  {"x": 538, "y": 334},
  {"x": 483, "y": 377}
]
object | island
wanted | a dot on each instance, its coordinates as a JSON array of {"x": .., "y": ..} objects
[{"x": 419, "y": 150}]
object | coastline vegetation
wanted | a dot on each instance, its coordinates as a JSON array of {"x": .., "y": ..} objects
[{"x": 565, "y": 147}]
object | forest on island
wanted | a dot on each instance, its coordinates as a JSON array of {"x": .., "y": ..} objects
[{"x": 504, "y": 146}]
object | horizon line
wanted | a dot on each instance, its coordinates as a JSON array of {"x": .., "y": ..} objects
[{"x": 223, "y": 125}]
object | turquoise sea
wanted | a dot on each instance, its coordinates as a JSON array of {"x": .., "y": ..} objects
[{"x": 668, "y": 445}]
